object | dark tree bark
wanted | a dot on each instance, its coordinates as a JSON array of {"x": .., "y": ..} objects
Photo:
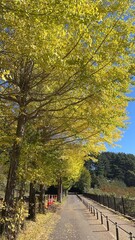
[
  {"x": 22, "y": 190},
  {"x": 9, "y": 213},
  {"x": 60, "y": 190},
  {"x": 32, "y": 203},
  {"x": 42, "y": 199},
  {"x": 10, "y": 203},
  {"x": 66, "y": 192},
  {"x": 20, "y": 200}
]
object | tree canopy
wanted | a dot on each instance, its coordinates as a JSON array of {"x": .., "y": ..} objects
[{"x": 68, "y": 60}]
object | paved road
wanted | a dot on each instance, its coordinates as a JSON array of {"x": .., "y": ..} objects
[{"x": 76, "y": 223}]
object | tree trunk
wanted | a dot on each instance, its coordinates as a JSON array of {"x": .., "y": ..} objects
[
  {"x": 21, "y": 204},
  {"x": 60, "y": 190},
  {"x": 22, "y": 190},
  {"x": 10, "y": 210},
  {"x": 22, "y": 81},
  {"x": 66, "y": 192},
  {"x": 32, "y": 203},
  {"x": 42, "y": 199}
]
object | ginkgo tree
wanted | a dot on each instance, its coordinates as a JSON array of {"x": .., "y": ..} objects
[
  {"x": 46, "y": 165},
  {"x": 66, "y": 61},
  {"x": 36, "y": 167}
]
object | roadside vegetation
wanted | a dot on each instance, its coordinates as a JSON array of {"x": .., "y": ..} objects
[
  {"x": 113, "y": 174},
  {"x": 113, "y": 188}
]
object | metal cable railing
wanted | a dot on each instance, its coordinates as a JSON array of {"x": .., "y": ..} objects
[
  {"x": 100, "y": 216},
  {"x": 123, "y": 205}
]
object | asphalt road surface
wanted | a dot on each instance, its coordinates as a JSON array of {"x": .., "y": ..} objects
[{"x": 76, "y": 223}]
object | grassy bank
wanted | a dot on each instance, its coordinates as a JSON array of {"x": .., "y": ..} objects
[
  {"x": 41, "y": 229},
  {"x": 115, "y": 188}
]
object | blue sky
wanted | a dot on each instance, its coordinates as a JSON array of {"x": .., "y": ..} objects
[{"x": 128, "y": 140}]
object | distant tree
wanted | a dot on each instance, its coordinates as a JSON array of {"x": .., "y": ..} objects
[
  {"x": 130, "y": 178},
  {"x": 112, "y": 166},
  {"x": 84, "y": 182}
]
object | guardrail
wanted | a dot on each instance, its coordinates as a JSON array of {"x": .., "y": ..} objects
[
  {"x": 105, "y": 219},
  {"x": 123, "y": 205}
]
